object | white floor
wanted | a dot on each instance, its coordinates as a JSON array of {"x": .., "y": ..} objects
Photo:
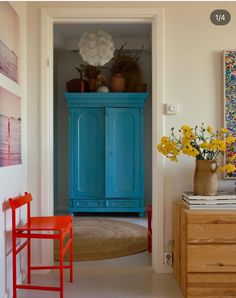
[{"x": 126, "y": 277}]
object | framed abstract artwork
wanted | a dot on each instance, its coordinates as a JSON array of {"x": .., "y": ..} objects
[
  {"x": 10, "y": 129},
  {"x": 230, "y": 104},
  {"x": 8, "y": 62}
]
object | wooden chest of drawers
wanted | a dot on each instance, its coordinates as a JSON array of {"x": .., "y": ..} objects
[{"x": 205, "y": 252}]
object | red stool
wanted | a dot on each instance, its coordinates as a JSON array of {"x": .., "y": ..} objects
[
  {"x": 50, "y": 227},
  {"x": 150, "y": 228}
]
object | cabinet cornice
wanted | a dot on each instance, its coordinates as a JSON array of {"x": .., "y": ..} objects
[{"x": 111, "y": 99}]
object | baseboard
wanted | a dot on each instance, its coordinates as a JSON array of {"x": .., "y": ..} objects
[
  {"x": 61, "y": 211},
  {"x": 23, "y": 276},
  {"x": 5, "y": 295},
  {"x": 20, "y": 279}
]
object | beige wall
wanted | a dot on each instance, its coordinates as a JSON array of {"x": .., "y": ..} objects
[
  {"x": 9, "y": 20},
  {"x": 192, "y": 77},
  {"x": 9, "y": 104}
]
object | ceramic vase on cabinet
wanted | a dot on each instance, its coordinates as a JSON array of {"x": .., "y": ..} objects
[
  {"x": 118, "y": 83},
  {"x": 205, "y": 178},
  {"x": 93, "y": 85}
]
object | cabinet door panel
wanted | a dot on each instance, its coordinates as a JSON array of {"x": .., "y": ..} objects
[
  {"x": 88, "y": 203},
  {"x": 88, "y": 153},
  {"x": 124, "y": 172},
  {"x": 127, "y": 203}
]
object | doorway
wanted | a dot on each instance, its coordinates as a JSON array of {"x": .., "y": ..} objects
[
  {"x": 136, "y": 39},
  {"x": 107, "y": 191},
  {"x": 49, "y": 18}
]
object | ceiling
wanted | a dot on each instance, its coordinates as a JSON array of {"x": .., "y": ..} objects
[{"x": 117, "y": 31}]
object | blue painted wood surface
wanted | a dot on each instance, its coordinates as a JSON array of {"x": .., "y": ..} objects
[
  {"x": 123, "y": 152},
  {"x": 87, "y": 160},
  {"x": 106, "y": 152}
]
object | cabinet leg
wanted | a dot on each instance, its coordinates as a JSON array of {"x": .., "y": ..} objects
[
  {"x": 72, "y": 214},
  {"x": 141, "y": 214}
]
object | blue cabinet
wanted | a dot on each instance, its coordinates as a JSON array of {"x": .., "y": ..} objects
[{"x": 106, "y": 152}]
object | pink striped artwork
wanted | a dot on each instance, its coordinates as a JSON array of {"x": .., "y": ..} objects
[
  {"x": 8, "y": 62},
  {"x": 10, "y": 141},
  {"x": 10, "y": 129}
]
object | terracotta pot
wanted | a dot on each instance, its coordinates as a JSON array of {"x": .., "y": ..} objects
[
  {"x": 93, "y": 85},
  {"x": 141, "y": 87},
  {"x": 118, "y": 83},
  {"x": 205, "y": 178},
  {"x": 75, "y": 85},
  {"x": 132, "y": 78}
]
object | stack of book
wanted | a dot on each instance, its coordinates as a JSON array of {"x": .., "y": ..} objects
[{"x": 223, "y": 200}]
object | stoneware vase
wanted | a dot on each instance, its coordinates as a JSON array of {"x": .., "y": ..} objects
[
  {"x": 205, "y": 178},
  {"x": 118, "y": 83},
  {"x": 75, "y": 85},
  {"x": 93, "y": 85},
  {"x": 132, "y": 78}
]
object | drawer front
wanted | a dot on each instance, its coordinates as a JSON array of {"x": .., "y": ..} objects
[
  {"x": 88, "y": 203},
  {"x": 211, "y": 233},
  {"x": 210, "y": 216},
  {"x": 122, "y": 203},
  {"x": 211, "y": 285},
  {"x": 211, "y": 258}
]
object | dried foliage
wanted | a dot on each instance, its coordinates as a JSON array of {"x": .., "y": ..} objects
[
  {"x": 122, "y": 61},
  {"x": 90, "y": 71}
]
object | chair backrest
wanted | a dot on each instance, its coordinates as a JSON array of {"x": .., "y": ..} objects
[
  {"x": 20, "y": 201},
  {"x": 17, "y": 203}
]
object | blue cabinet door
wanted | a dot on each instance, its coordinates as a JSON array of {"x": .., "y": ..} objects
[
  {"x": 87, "y": 153},
  {"x": 124, "y": 153}
]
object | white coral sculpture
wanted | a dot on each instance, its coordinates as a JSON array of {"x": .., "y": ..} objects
[{"x": 96, "y": 47}]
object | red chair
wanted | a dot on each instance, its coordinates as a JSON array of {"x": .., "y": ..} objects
[
  {"x": 50, "y": 227},
  {"x": 150, "y": 228}
]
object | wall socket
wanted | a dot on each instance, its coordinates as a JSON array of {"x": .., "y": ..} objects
[{"x": 168, "y": 258}]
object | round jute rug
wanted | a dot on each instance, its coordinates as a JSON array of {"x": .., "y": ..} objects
[{"x": 101, "y": 238}]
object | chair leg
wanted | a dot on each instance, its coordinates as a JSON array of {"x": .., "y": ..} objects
[
  {"x": 149, "y": 242},
  {"x": 29, "y": 261},
  {"x": 14, "y": 264},
  {"x": 71, "y": 255},
  {"x": 149, "y": 228},
  {"x": 61, "y": 267}
]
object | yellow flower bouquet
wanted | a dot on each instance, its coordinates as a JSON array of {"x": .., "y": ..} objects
[{"x": 201, "y": 142}]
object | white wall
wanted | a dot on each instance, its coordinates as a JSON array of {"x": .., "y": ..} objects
[
  {"x": 9, "y": 20},
  {"x": 65, "y": 63},
  {"x": 13, "y": 178},
  {"x": 192, "y": 77},
  {"x": 9, "y": 104}
]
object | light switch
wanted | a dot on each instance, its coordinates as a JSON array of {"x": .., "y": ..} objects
[{"x": 171, "y": 108}]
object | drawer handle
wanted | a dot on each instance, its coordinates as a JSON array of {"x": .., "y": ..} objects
[
  {"x": 219, "y": 221},
  {"x": 216, "y": 264}
]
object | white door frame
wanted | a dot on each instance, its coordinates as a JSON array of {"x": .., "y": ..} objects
[{"x": 103, "y": 15}]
